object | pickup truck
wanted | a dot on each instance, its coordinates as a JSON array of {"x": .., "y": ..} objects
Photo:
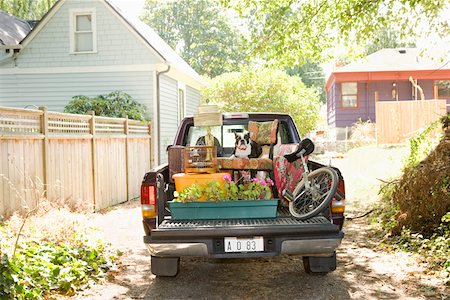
[{"x": 314, "y": 239}]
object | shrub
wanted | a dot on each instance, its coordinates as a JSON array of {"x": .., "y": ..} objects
[
  {"x": 115, "y": 104},
  {"x": 416, "y": 207},
  {"x": 50, "y": 252},
  {"x": 363, "y": 132},
  {"x": 423, "y": 192},
  {"x": 265, "y": 90}
]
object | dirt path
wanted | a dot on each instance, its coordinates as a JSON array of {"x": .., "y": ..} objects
[{"x": 365, "y": 270}]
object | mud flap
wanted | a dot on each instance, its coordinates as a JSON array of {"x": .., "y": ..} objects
[
  {"x": 317, "y": 264},
  {"x": 165, "y": 266}
]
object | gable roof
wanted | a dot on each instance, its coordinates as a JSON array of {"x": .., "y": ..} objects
[
  {"x": 12, "y": 29},
  {"x": 394, "y": 64},
  {"x": 145, "y": 32},
  {"x": 403, "y": 59}
]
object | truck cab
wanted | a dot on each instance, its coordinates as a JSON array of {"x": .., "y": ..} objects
[{"x": 167, "y": 239}]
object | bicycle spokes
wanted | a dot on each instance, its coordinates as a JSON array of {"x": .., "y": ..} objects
[{"x": 313, "y": 195}]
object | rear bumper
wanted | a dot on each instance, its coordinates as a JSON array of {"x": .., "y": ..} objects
[{"x": 274, "y": 246}]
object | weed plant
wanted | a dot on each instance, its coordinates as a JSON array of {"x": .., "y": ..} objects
[
  {"x": 48, "y": 250},
  {"x": 415, "y": 209}
]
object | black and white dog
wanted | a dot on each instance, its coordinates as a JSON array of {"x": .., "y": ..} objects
[{"x": 246, "y": 147}]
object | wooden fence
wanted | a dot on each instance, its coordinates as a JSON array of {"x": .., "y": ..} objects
[
  {"x": 83, "y": 160},
  {"x": 397, "y": 121}
]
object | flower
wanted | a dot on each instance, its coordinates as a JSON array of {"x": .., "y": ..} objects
[{"x": 227, "y": 178}]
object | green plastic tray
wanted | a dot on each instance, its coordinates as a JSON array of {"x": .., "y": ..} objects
[{"x": 233, "y": 209}]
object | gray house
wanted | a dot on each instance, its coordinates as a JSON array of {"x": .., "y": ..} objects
[{"x": 90, "y": 47}]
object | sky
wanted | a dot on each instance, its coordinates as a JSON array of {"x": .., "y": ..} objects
[{"x": 131, "y": 7}]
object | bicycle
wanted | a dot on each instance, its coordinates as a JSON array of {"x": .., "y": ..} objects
[{"x": 315, "y": 190}]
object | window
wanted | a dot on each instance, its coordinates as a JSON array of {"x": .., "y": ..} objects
[
  {"x": 181, "y": 104},
  {"x": 442, "y": 88},
  {"x": 349, "y": 97},
  {"x": 83, "y": 31}
]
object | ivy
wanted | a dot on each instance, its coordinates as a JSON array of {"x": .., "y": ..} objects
[{"x": 38, "y": 269}]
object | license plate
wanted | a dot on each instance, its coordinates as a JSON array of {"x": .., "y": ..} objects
[{"x": 252, "y": 244}]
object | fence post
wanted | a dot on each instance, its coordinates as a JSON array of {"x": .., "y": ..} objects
[
  {"x": 44, "y": 131},
  {"x": 94, "y": 158},
  {"x": 127, "y": 151},
  {"x": 150, "y": 143}
]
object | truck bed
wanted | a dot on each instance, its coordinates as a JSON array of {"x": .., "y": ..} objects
[{"x": 284, "y": 223}]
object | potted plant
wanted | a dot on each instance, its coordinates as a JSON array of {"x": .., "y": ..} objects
[{"x": 247, "y": 198}]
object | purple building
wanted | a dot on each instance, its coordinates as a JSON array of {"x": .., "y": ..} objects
[{"x": 386, "y": 75}]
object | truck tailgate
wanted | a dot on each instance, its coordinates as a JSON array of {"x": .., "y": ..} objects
[{"x": 243, "y": 227}]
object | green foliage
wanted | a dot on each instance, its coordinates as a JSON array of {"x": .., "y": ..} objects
[
  {"x": 39, "y": 268},
  {"x": 214, "y": 191},
  {"x": 201, "y": 33},
  {"x": 189, "y": 194},
  {"x": 416, "y": 207},
  {"x": 312, "y": 76},
  {"x": 423, "y": 192},
  {"x": 388, "y": 209},
  {"x": 115, "y": 104},
  {"x": 27, "y": 9},
  {"x": 421, "y": 145},
  {"x": 435, "y": 250},
  {"x": 293, "y": 32},
  {"x": 387, "y": 37},
  {"x": 265, "y": 90}
]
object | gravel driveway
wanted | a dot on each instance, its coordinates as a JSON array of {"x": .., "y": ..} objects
[{"x": 364, "y": 271}]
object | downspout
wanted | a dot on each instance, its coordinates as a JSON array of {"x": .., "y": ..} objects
[
  {"x": 11, "y": 54},
  {"x": 158, "y": 112}
]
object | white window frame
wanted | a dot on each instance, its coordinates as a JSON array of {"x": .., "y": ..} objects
[
  {"x": 181, "y": 114},
  {"x": 73, "y": 19},
  {"x": 356, "y": 95}
]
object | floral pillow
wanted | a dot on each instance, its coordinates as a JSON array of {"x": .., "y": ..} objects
[
  {"x": 287, "y": 175},
  {"x": 264, "y": 133}
]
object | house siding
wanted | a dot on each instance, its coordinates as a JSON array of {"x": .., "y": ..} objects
[
  {"x": 348, "y": 116},
  {"x": 116, "y": 45},
  {"x": 366, "y": 100},
  {"x": 168, "y": 114},
  {"x": 56, "y": 90},
  {"x": 192, "y": 100},
  {"x": 331, "y": 106}
]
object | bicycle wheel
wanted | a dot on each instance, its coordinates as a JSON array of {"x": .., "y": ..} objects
[{"x": 309, "y": 202}]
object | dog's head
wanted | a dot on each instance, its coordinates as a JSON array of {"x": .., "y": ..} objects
[
  {"x": 242, "y": 140},
  {"x": 242, "y": 144}
]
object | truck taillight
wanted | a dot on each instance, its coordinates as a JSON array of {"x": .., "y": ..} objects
[
  {"x": 338, "y": 203},
  {"x": 148, "y": 201}
]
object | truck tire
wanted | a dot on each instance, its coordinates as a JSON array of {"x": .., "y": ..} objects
[
  {"x": 319, "y": 265},
  {"x": 165, "y": 266}
]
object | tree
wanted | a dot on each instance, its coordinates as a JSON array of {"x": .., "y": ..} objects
[
  {"x": 115, "y": 104},
  {"x": 200, "y": 32},
  {"x": 27, "y": 9},
  {"x": 259, "y": 90},
  {"x": 312, "y": 76},
  {"x": 293, "y": 32},
  {"x": 386, "y": 38}
]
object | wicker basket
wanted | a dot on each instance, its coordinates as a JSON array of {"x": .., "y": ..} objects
[{"x": 200, "y": 159}]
